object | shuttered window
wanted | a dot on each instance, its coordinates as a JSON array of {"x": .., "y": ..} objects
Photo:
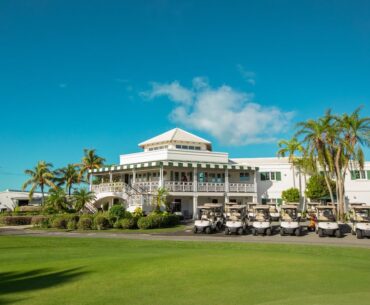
[{"x": 271, "y": 176}]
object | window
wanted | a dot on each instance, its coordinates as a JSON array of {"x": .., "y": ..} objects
[
  {"x": 197, "y": 147},
  {"x": 360, "y": 175},
  {"x": 191, "y": 147},
  {"x": 178, "y": 146},
  {"x": 185, "y": 147},
  {"x": 244, "y": 176},
  {"x": 188, "y": 147},
  {"x": 272, "y": 176}
]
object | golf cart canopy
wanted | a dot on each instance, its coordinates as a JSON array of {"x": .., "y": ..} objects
[
  {"x": 289, "y": 206},
  {"x": 325, "y": 207},
  {"x": 213, "y": 205},
  {"x": 261, "y": 207},
  {"x": 362, "y": 207},
  {"x": 238, "y": 207}
]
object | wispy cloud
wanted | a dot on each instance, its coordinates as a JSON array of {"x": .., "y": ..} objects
[
  {"x": 248, "y": 76},
  {"x": 229, "y": 115}
]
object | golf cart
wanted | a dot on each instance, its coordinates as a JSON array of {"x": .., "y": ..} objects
[
  {"x": 274, "y": 213},
  {"x": 360, "y": 221},
  {"x": 235, "y": 219},
  {"x": 261, "y": 221},
  {"x": 311, "y": 216},
  {"x": 289, "y": 220},
  {"x": 250, "y": 212},
  {"x": 210, "y": 219},
  {"x": 326, "y": 221}
]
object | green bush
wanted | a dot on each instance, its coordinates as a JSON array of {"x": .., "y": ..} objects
[
  {"x": 158, "y": 220},
  {"x": 72, "y": 224},
  {"x": 59, "y": 222},
  {"x": 316, "y": 187},
  {"x": 290, "y": 195},
  {"x": 117, "y": 211},
  {"x": 101, "y": 222},
  {"x": 85, "y": 223},
  {"x": 128, "y": 223},
  {"x": 138, "y": 213},
  {"x": 41, "y": 221},
  {"x": 16, "y": 220}
]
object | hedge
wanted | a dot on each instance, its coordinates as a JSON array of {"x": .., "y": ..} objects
[
  {"x": 40, "y": 221},
  {"x": 158, "y": 221},
  {"x": 16, "y": 220},
  {"x": 85, "y": 223}
]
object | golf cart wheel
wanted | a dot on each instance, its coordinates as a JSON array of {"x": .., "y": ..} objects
[
  {"x": 268, "y": 232},
  {"x": 195, "y": 230},
  {"x": 359, "y": 234},
  {"x": 208, "y": 230},
  {"x": 297, "y": 232},
  {"x": 227, "y": 232},
  {"x": 240, "y": 231},
  {"x": 321, "y": 233},
  {"x": 281, "y": 231},
  {"x": 338, "y": 233},
  {"x": 254, "y": 232}
]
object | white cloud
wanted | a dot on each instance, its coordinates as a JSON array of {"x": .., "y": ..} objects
[
  {"x": 248, "y": 76},
  {"x": 227, "y": 114}
]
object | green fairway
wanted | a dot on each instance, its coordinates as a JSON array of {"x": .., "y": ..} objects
[{"x": 44, "y": 270}]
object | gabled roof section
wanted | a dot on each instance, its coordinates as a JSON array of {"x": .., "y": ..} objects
[{"x": 175, "y": 135}]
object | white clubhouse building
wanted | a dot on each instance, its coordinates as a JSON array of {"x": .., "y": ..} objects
[{"x": 193, "y": 174}]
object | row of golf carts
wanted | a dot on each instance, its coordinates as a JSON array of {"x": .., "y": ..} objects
[{"x": 257, "y": 219}]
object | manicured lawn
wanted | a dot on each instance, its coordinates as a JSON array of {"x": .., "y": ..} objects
[{"x": 44, "y": 270}]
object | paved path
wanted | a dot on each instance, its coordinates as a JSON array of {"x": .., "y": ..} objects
[{"x": 308, "y": 239}]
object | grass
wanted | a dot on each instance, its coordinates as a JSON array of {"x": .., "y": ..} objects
[
  {"x": 58, "y": 270},
  {"x": 177, "y": 228}
]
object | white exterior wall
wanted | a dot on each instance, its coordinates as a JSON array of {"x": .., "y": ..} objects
[
  {"x": 174, "y": 155},
  {"x": 9, "y": 199}
]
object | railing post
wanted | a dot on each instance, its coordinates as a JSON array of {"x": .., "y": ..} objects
[{"x": 195, "y": 179}]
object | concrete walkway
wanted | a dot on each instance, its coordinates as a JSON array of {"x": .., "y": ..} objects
[{"x": 308, "y": 239}]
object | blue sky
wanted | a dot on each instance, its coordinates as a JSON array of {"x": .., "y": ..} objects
[{"x": 109, "y": 74}]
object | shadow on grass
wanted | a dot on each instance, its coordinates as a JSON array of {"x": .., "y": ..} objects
[{"x": 12, "y": 283}]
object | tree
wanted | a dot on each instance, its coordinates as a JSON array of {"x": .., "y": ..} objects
[
  {"x": 160, "y": 199},
  {"x": 290, "y": 195},
  {"x": 68, "y": 176},
  {"x": 57, "y": 199},
  {"x": 81, "y": 197},
  {"x": 90, "y": 161},
  {"x": 40, "y": 177},
  {"x": 316, "y": 187},
  {"x": 289, "y": 148}
]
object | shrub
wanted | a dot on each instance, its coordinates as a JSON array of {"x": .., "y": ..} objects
[
  {"x": 41, "y": 221},
  {"x": 316, "y": 187},
  {"x": 101, "y": 222},
  {"x": 117, "y": 211},
  {"x": 72, "y": 224},
  {"x": 85, "y": 223},
  {"x": 138, "y": 213},
  {"x": 128, "y": 223},
  {"x": 59, "y": 222},
  {"x": 144, "y": 223},
  {"x": 290, "y": 195},
  {"x": 16, "y": 220},
  {"x": 157, "y": 220}
]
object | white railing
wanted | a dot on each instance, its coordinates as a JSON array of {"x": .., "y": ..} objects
[
  {"x": 114, "y": 187},
  {"x": 150, "y": 186},
  {"x": 177, "y": 186},
  {"x": 211, "y": 187},
  {"x": 237, "y": 187},
  {"x": 173, "y": 186}
]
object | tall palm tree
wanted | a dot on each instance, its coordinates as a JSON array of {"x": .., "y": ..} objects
[
  {"x": 290, "y": 148},
  {"x": 81, "y": 197},
  {"x": 353, "y": 133},
  {"x": 40, "y": 177},
  {"x": 90, "y": 161},
  {"x": 316, "y": 136},
  {"x": 68, "y": 176}
]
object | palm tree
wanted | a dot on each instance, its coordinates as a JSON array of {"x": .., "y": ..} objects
[
  {"x": 316, "y": 136},
  {"x": 68, "y": 176},
  {"x": 353, "y": 133},
  {"x": 289, "y": 148},
  {"x": 57, "y": 199},
  {"x": 160, "y": 199},
  {"x": 81, "y": 197},
  {"x": 90, "y": 161},
  {"x": 40, "y": 177}
]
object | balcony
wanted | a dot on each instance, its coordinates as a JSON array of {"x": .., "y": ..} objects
[{"x": 175, "y": 186}]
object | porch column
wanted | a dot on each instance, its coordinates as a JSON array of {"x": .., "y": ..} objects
[
  {"x": 110, "y": 177},
  {"x": 133, "y": 176},
  {"x": 161, "y": 183},
  {"x": 195, "y": 205},
  {"x": 195, "y": 179},
  {"x": 227, "y": 185},
  {"x": 255, "y": 180},
  {"x": 90, "y": 181}
]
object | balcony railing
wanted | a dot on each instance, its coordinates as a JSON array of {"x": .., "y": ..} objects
[{"x": 175, "y": 186}]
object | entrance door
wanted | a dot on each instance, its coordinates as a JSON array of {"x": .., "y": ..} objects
[{"x": 127, "y": 178}]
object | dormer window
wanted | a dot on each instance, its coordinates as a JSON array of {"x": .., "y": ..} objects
[{"x": 188, "y": 147}]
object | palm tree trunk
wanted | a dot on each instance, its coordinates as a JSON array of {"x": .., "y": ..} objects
[
  {"x": 293, "y": 176},
  {"x": 42, "y": 194},
  {"x": 327, "y": 180}
]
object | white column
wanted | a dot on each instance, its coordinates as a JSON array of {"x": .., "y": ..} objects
[
  {"x": 110, "y": 177},
  {"x": 195, "y": 180},
  {"x": 226, "y": 185},
  {"x": 133, "y": 176},
  {"x": 90, "y": 181},
  {"x": 195, "y": 205},
  {"x": 161, "y": 182}
]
